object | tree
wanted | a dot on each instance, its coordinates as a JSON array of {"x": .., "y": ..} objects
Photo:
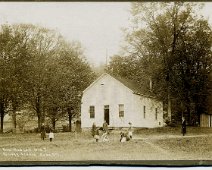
[
  {"x": 4, "y": 98},
  {"x": 73, "y": 76},
  {"x": 172, "y": 46},
  {"x": 40, "y": 69},
  {"x": 12, "y": 57},
  {"x": 41, "y": 44},
  {"x": 193, "y": 65}
]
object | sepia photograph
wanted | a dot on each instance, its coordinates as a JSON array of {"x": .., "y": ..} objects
[{"x": 106, "y": 83}]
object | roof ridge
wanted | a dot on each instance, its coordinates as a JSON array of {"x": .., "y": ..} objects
[{"x": 132, "y": 85}]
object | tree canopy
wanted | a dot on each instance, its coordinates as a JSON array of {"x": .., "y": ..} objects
[
  {"x": 40, "y": 69},
  {"x": 169, "y": 45}
]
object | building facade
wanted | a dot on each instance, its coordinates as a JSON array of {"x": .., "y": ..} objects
[
  {"x": 206, "y": 118},
  {"x": 109, "y": 99}
]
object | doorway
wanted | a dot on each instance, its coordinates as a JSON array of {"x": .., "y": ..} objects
[{"x": 107, "y": 114}]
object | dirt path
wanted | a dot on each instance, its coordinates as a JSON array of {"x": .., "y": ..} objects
[{"x": 139, "y": 137}]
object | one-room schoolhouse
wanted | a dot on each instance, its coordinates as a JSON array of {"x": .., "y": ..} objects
[{"x": 118, "y": 102}]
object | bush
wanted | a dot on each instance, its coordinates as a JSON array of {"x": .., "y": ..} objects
[
  {"x": 55, "y": 131},
  {"x": 35, "y": 130},
  {"x": 167, "y": 121},
  {"x": 172, "y": 124},
  {"x": 65, "y": 128},
  {"x": 47, "y": 128},
  {"x": 9, "y": 131}
]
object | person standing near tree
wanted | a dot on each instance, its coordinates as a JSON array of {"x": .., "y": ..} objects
[
  {"x": 183, "y": 126},
  {"x": 43, "y": 131}
]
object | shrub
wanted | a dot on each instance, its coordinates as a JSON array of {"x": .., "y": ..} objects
[
  {"x": 65, "y": 128},
  {"x": 35, "y": 130},
  {"x": 47, "y": 128}
]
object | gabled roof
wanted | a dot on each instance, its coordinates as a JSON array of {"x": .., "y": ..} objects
[
  {"x": 104, "y": 74},
  {"x": 134, "y": 87},
  {"x": 127, "y": 83}
]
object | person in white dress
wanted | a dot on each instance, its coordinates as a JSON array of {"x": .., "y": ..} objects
[{"x": 51, "y": 135}]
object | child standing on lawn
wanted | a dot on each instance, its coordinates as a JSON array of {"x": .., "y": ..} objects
[
  {"x": 93, "y": 129},
  {"x": 105, "y": 137},
  {"x": 105, "y": 127},
  {"x": 96, "y": 135},
  {"x": 105, "y": 132},
  {"x": 51, "y": 135},
  {"x": 130, "y": 130},
  {"x": 124, "y": 137},
  {"x": 183, "y": 126}
]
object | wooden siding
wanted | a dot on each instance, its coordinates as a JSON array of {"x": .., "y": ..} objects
[
  {"x": 109, "y": 91},
  {"x": 206, "y": 120}
]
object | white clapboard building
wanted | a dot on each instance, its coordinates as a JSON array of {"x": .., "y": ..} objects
[
  {"x": 118, "y": 102},
  {"x": 206, "y": 118}
]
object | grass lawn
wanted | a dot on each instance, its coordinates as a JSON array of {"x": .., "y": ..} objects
[{"x": 147, "y": 144}]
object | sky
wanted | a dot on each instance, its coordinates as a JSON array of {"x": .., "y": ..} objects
[{"x": 96, "y": 25}]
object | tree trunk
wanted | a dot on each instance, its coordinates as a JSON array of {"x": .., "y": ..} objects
[
  {"x": 42, "y": 117},
  {"x": 169, "y": 111},
  {"x": 189, "y": 113},
  {"x": 14, "y": 109},
  {"x": 39, "y": 114},
  {"x": 54, "y": 115},
  {"x": 2, "y": 123},
  {"x": 14, "y": 120},
  {"x": 188, "y": 104},
  {"x": 53, "y": 123},
  {"x": 188, "y": 109},
  {"x": 2, "y": 116},
  {"x": 39, "y": 123},
  {"x": 70, "y": 118}
]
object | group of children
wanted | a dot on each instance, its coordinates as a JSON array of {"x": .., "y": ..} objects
[
  {"x": 104, "y": 137},
  {"x": 96, "y": 134},
  {"x": 128, "y": 135}
]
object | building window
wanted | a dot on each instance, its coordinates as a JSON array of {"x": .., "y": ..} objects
[
  {"x": 144, "y": 112},
  {"x": 156, "y": 113},
  {"x": 121, "y": 110},
  {"x": 92, "y": 111}
]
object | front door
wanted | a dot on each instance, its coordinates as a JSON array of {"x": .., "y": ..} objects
[{"x": 107, "y": 114}]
